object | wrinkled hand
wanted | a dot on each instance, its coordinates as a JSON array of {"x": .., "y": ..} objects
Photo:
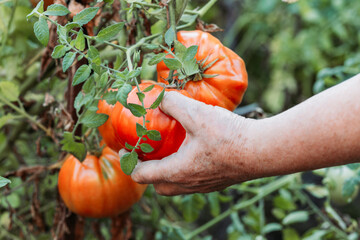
[{"x": 209, "y": 158}]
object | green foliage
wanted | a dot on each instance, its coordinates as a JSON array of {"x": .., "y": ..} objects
[{"x": 291, "y": 52}]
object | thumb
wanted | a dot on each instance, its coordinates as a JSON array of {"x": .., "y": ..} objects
[
  {"x": 183, "y": 109},
  {"x": 155, "y": 171}
]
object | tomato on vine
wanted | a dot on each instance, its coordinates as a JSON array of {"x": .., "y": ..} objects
[
  {"x": 153, "y": 145},
  {"x": 221, "y": 77},
  {"x": 97, "y": 187}
]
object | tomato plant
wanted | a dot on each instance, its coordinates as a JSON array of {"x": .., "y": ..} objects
[
  {"x": 221, "y": 79},
  {"x": 97, "y": 187},
  {"x": 129, "y": 128},
  {"x": 106, "y": 130}
]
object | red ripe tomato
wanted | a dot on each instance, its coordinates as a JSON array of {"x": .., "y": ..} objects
[
  {"x": 124, "y": 123},
  {"x": 228, "y": 87},
  {"x": 97, "y": 187},
  {"x": 106, "y": 130}
]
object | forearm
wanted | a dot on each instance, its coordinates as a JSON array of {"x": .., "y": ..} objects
[{"x": 320, "y": 132}]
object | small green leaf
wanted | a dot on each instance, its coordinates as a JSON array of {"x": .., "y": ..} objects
[
  {"x": 140, "y": 130},
  {"x": 9, "y": 90},
  {"x": 158, "y": 100},
  {"x": 134, "y": 73},
  {"x": 128, "y": 146},
  {"x": 85, "y": 15},
  {"x": 190, "y": 53},
  {"x": 157, "y": 58},
  {"x": 136, "y": 110},
  {"x": 191, "y": 67},
  {"x": 62, "y": 33},
  {"x": 153, "y": 135},
  {"x": 141, "y": 96},
  {"x": 56, "y": 10},
  {"x": 172, "y": 63},
  {"x": 72, "y": 25},
  {"x": 68, "y": 60},
  {"x": 94, "y": 55},
  {"x": 75, "y": 148},
  {"x": 41, "y": 31},
  {"x": 146, "y": 148},
  {"x": 110, "y": 97},
  {"x": 123, "y": 93},
  {"x": 169, "y": 36},
  {"x": 59, "y": 51},
  {"x": 179, "y": 47},
  {"x": 81, "y": 74},
  {"x": 103, "y": 79},
  {"x": 349, "y": 186},
  {"x": 296, "y": 217},
  {"x": 5, "y": 119},
  {"x": 4, "y": 182},
  {"x": 80, "y": 41},
  {"x": 81, "y": 100},
  {"x": 93, "y": 120},
  {"x": 128, "y": 162},
  {"x": 149, "y": 88},
  {"x": 109, "y": 32},
  {"x": 39, "y": 8}
]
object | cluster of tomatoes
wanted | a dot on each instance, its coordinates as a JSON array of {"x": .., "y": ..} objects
[{"x": 98, "y": 187}]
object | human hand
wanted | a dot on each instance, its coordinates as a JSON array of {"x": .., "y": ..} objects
[{"x": 211, "y": 156}]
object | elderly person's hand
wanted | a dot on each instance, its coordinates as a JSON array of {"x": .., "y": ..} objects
[
  {"x": 221, "y": 148},
  {"x": 210, "y": 157}
]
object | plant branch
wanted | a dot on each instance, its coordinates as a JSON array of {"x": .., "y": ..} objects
[{"x": 263, "y": 191}]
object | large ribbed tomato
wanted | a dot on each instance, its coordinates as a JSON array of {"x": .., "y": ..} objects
[
  {"x": 106, "y": 130},
  {"x": 227, "y": 88},
  {"x": 124, "y": 123},
  {"x": 97, "y": 187}
]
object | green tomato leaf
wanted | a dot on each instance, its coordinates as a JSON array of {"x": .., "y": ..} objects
[
  {"x": 4, "y": 182},
  {"x": 9, "y": 90},
  {"x": 191, "y": 206},
  {"x": 157, "y": 58},
  {"x": 39, "y": 8},
  {"x": 75, "y": 148},
  {"x": 136, "y": 110},
  {"x": 103, "y": 80},
  {"x": 110, "y": 97},
  {"x": 349, "y": 186},
  {"x": 128, "y": 162},
  {"x": 172, "y": 63},
  {"x": 128, "y": 146},
  {"x": 179, "y": 48},
  {"x": 123, "y": 93},
  {"x": 5, "y": 119},
  {"x": 191, "y": 67},
  {"x": 81, "y": 100},
  {"x": 158, "y": 100},
  {"x": 85, "y": 15},
  {"x": 68, "y": 60},
  {"x": 296, "y": 217},
  {"x": 94, "y": 55},
  {"x": 153, "y": 135},
  {"x": 59, "y": 51},
  {"x": 72, "y": 25},
  {"x": 109, "y": 32},
  {"x": 146, "y": 148},
  {"x": 190, "y": 53},
  {"x": 41, "y": 31},
  {"x": 80, "y": 41},
  {"x": 149, "y": 88},
  {"x": 141, "y": 96},
  {"x": 169, "y": 36},
  {"x": 81, "y": 75},
  {"x": 93, "y": 120},
  {"x": 140, "y": 130},
  {"x": 56, "y": 10}
]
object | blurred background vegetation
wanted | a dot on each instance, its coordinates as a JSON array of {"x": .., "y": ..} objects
[{"x": 292, "y": 51}]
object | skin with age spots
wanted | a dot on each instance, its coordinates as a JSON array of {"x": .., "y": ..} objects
[{"x": 222, "y": 148}]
